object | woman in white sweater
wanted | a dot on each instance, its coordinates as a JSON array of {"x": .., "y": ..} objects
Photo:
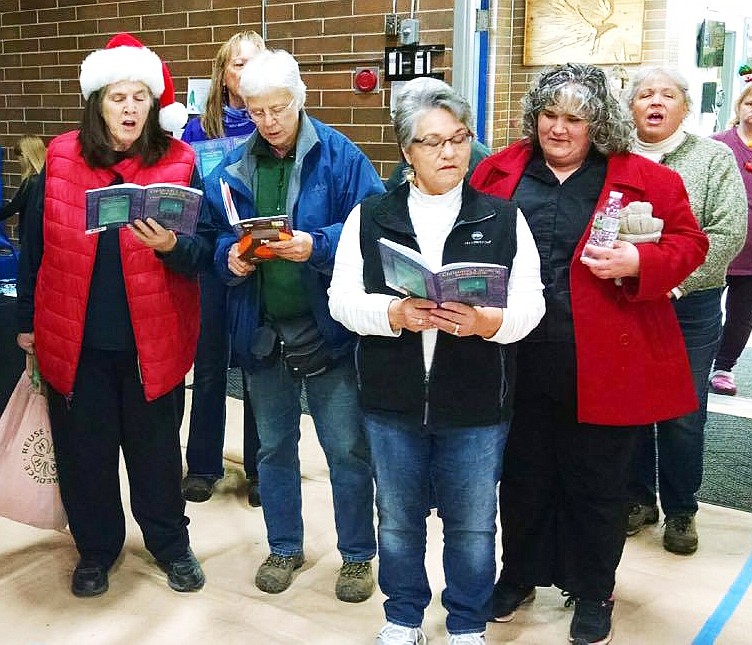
[{"x": 432, "y": 375}]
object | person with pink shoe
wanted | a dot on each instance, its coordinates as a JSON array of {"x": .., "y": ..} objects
[{"x": 738, "y": 308}]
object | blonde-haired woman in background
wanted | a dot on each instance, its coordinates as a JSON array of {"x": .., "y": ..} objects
[
  {"x": 225, "y": 116},
  {"x": 31, "y": 152}
]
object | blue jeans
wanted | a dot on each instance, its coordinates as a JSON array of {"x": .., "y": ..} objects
[
  {"x": 463, "y": 467},
  {"x": 332, "y": 401},
  {"x": 206, "y": 434},
  {"x": 680, "y": 442}
]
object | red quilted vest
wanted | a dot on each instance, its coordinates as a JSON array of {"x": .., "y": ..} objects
[{"x": 164, "y": 305}]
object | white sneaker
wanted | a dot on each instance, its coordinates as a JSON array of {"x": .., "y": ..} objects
[
  {"x": 392, "y": 634},
  {"x": 476, "y": 638}
]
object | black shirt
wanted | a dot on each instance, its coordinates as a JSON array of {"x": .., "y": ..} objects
[
  {"x": 19, "y": 202},
  {"x": 558, "y": 214}
]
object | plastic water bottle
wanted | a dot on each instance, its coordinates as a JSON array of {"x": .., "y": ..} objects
[{"x": 605, "y": 227}]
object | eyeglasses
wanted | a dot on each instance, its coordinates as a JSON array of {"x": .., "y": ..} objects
[
  {"x": 436, "y": 144},
  {"x": 274, "y": 113}
]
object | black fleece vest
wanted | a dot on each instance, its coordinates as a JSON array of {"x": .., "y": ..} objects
[{"x": 465, "y": 385}]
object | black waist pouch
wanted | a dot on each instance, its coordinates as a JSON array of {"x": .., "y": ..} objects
[{"x": 304, "y": 350}]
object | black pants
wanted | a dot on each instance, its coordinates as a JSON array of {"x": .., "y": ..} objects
[
  {"x": 108, "y": 411},
  {"x": 563, "y": 489},
  {"x": 738, "y": 325}
]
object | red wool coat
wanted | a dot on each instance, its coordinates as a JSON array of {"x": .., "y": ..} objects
[
  {"x": 632, "y": 365},
  {"x": 163, "y": 304}
]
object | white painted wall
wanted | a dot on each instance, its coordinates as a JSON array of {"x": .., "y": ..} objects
[{"x": 683, "y": 23}]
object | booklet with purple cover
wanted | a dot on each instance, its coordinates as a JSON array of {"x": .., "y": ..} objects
[
  {"x": 472, "y": 283},
  {"x": 174, "y": 207},
  {"x": 210, "y": 152}
]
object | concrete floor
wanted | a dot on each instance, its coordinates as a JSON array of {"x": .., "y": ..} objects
[{"x": 660, "y": 598}]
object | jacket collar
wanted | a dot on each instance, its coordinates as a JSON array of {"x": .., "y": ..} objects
[
  {"x": 620, "y": 173},
  {"x": 244, "y": 168}
]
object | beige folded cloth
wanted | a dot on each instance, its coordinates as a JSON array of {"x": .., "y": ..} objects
[{"x": 637, "y": 224}]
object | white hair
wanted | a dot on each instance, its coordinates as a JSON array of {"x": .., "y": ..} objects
[{"x": 271, "y": 70}]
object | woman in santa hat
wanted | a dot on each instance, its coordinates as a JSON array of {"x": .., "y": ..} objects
[{"x": 113, "y": 317}]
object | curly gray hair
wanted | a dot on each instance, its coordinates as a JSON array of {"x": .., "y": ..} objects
[{"x": 583, "y": 91}]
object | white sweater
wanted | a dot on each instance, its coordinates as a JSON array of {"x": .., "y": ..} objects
[{"x": 432, "y": 217}]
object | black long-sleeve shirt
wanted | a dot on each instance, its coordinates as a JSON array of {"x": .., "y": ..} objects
[
  {"x": 19, "y": 203},
  {"x": 558, "y": 214}
]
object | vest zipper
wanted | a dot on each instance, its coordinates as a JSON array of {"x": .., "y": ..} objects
[{"x": 426, "y": 378}]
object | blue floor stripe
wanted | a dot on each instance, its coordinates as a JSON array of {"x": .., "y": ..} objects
[{"x": 718, "y": 619}]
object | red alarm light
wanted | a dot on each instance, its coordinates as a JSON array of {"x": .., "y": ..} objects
[{"x": 366, "y": 79}]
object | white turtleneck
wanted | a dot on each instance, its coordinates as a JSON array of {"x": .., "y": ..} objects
[
  {"x": 656, "y": 151},
  {"x": 432, "y": 217}
]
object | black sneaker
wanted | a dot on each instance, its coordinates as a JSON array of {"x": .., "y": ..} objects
[
  {"x": 89, "y": 579},
  {"x": 680, "y": 534},
  {"x": 196, "y": 488},
  {"x": 254, "y": 499},
  {"x": 591, "y": 623},
  {"x": 641, "y": 515},
  {"x": 507, "y": 599},
  {"x": 184, "y": 573}
]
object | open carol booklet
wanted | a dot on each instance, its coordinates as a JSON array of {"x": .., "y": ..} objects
[
  {"x": 174, "y": 207},
  {"x": 472, "y": 283},
  {"x": 210, "y": 152},
  {"x": 254, "y": 234}
]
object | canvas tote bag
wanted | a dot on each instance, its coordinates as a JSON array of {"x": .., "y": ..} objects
[{"x": 29, "y": 490}]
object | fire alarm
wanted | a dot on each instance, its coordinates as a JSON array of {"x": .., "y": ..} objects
[{"x": 366, "y": 79}]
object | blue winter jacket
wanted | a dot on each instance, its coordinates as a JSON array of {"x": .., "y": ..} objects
[{"x": 330, "y": 176}]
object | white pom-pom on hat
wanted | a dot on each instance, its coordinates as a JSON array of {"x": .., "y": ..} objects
[
  {"x": 172, "y": 115},
  {"x": 124, "y": 58}
]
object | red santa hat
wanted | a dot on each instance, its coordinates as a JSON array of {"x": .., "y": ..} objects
[{"x": 124, "y": 58}]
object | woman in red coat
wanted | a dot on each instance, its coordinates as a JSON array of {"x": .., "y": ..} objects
[{"x": 586, "y": 376}]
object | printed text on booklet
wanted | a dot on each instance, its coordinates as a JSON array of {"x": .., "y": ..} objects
[
  {"x": 174, "y": 207},
  {"x": 472, "y": 283}
]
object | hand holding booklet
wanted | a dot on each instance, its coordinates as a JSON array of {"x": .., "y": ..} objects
[
  {"x": 255, "y": 232},
  {"x": 174, "y": 207},
  {"x": 472, "y": 283},
  {"x": 253, "y": 235}
]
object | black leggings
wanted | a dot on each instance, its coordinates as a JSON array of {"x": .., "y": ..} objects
[{"x": 738, "y": 325}]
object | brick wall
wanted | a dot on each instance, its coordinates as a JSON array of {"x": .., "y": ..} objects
[{"x": 42, "y": 43}]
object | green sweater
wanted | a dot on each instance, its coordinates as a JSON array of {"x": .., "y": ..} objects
[{"x": 719, "y": 202}]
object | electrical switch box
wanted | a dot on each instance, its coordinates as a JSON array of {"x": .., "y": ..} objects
[
  {"x": 409, "y": 32},
  {"x": 407, "y": 62},
  {"x": 392, "y": 24}
]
